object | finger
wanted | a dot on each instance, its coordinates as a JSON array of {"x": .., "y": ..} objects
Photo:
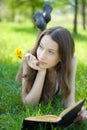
[
  {"x": 84, "y": 115},
  {"x": 82, "y": 110},
  {"x": 34, "y": 65},
  {"x": 30, "y": 57},
  {"x": 27, "y": 54},
  {"x": 36, "y": 61},
  {"x": 77, "y": 119}
]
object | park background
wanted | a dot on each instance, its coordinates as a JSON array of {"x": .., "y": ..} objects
[{"x": 17, "y": 30}]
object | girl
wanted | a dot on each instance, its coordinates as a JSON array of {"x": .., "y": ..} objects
[{"x": 49, "y": 68}]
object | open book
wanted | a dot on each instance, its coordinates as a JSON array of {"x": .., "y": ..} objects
[{"x": 63, "y": 120}]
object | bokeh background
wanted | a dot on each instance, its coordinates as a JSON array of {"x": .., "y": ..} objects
[{"x": 17, "y": 30}]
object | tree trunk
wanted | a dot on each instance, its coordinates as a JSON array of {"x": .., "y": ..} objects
[
  {"x": 83, "y": 14},
  {"x": 32, "y": 13},
  {"x": 75, "y": 16}
]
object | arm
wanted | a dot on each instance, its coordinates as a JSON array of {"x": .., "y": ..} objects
[
  {"x": 71, "y": 98},
  {"x": 33, "y": 97},
  {"x": 82, "y": 115}
]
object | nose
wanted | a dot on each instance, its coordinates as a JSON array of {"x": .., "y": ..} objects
[{"x": 43, "y": 55}]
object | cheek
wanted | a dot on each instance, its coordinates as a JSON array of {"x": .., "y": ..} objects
[{"x": 54, "y": 60}]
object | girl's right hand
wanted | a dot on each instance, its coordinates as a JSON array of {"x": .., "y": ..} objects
[
  {"x": 32, "y": 61},
  {"x": 82, "y": 115}
]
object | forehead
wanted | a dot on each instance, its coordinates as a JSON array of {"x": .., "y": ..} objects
[{"x": 48, "y": 42}]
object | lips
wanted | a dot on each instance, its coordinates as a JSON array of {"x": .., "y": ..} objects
[{"x": 42, "y": 62}]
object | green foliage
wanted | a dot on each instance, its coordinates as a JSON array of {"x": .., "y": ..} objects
[
  {"x": 12, "y": 111},
  {"x": 21, "y": 8}
]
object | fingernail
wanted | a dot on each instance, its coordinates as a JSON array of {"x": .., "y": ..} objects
[{"x": 37, "y": 64}]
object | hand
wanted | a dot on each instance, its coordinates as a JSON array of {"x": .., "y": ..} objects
[
  {"x": 32, "y": 61},
  {"x": 82, "y": 115}
]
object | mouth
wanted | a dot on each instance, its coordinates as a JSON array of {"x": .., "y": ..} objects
[{"x": 42, "y": 62}]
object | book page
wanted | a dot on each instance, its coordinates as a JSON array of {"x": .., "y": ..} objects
[
  {"x": 54, "y": 118},
  {"x": 45, "y": 118}
]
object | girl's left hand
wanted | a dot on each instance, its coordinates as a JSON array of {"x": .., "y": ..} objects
[
  {"x": 82, "y": 115},
  {"x": 32, "y": 61}
]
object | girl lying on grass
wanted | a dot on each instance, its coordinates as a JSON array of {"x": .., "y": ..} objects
[{"x": 49, "y": 69}]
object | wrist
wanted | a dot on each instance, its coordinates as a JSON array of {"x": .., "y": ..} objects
[{"x": 43, "y": 71}]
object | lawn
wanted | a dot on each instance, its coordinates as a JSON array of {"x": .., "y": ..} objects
[{"x": 12, "y": 111}]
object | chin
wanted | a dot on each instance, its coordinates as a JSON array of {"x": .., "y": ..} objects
[{"x": 42, "y": 67}]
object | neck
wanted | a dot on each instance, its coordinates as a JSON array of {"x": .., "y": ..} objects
[
  {"x": 51, "y": 70},
  {"x": 52, "y": 74}
]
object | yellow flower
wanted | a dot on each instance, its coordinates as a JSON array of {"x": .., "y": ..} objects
[{"x": 18, "y": 53}]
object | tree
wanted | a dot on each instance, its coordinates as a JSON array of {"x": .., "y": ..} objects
[
  {"x": 84, "y": 14},
  {"x": 75, "y": 16},
  {"x": 23, "y": 6}
]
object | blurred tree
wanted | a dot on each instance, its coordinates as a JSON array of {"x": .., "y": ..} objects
[
  {"x": 63, "y": 6},
  {"x": 80, "y": 6},
  {"x": 84, "y": 13},
  {"x": 77, "y": 6},
  {"x": 75, "y": 16},
  {"x": 24, "y": 6},
  {"x": 60, "y": 4}
]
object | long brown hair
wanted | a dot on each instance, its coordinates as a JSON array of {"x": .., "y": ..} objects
[{"x": 66, "y": 50}]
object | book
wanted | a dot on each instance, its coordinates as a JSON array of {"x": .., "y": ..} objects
[{"x": 48, "y": 121}]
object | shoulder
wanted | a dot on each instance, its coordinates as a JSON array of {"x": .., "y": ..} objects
[
  {"x": 73, "y": 69},
  {"x": 74, "y": 63},
  {"x": 74, "y": 60}
]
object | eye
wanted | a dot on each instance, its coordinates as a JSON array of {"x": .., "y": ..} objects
[
  {"x": 51, "y": 52},
  {"x": 40, "y": 46}
]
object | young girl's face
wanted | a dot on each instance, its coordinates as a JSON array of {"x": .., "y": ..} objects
[{"x": 47, "y": 53}]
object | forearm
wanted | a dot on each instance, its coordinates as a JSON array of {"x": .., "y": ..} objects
[
  {"x": 70, "y": 100},
  {"x": 33, "y": 97}
]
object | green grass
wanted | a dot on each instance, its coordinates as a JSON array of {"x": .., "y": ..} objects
[{"x": 12, "y": 111}]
